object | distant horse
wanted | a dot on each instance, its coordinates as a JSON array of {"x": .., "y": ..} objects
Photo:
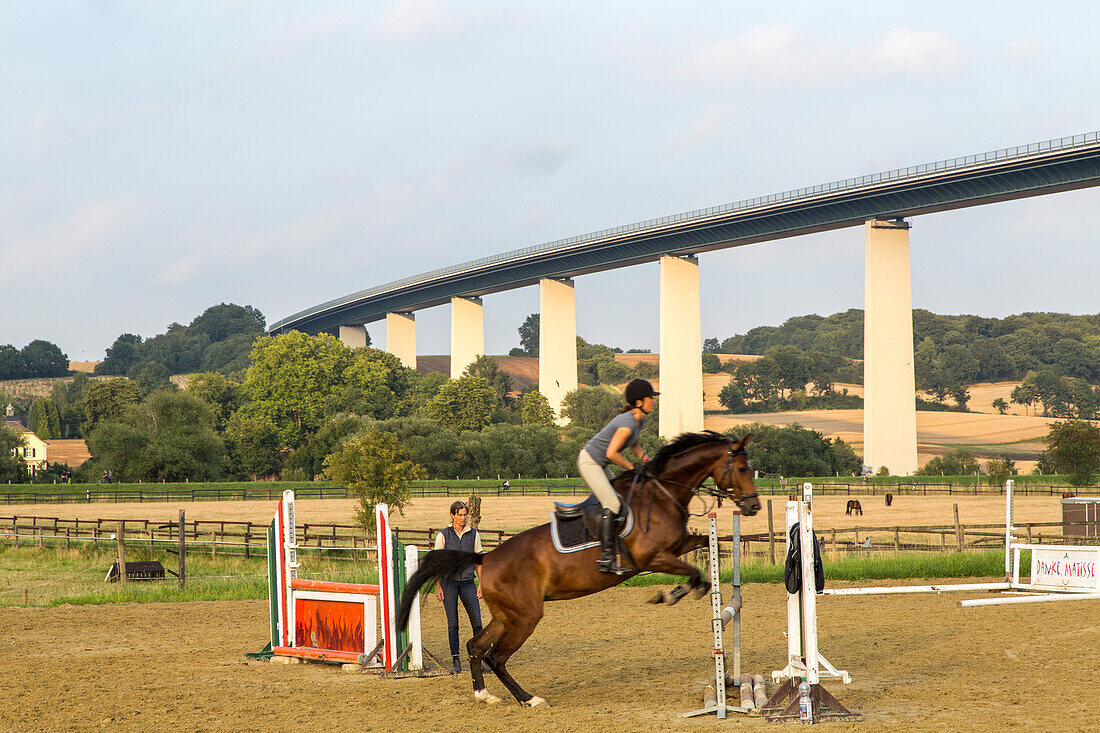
[
  {"x": 889, "y": 499},
  {"x": 853, "y": 508},
  {"x": 526, "y": 569},
  {"x": 1068, "y": 495}
]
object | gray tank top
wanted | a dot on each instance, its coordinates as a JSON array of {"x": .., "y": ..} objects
[{"x": 597, "y": 447}]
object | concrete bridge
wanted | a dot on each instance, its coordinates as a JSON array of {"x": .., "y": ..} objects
[{"x": 882, "y": 203}]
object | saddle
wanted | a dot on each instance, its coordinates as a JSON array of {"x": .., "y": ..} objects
[{"x": 575, "y": 527}]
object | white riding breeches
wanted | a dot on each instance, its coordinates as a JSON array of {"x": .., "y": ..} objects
[{"x": 596, "y": 477}]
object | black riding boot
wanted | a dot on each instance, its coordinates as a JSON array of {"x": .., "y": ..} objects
[
  {"x": 606, "y": 563},
  {"x": 457, "y": 666}
]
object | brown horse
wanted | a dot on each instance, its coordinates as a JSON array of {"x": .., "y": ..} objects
[{"x": 526, "y": 570}]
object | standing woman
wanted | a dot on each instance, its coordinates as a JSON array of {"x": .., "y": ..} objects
[
  {"x": 605, "y": 448},
  {"x": 449, "y": 590}
]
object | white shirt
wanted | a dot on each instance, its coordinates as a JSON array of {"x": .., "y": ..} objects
[{"x": 440, "y": 542}]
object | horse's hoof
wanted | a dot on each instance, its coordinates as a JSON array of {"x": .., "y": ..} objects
[
  {"x": 659, "y": 598},
  {"x": 702, "y": 590},
  {"x": 536, "y": 702},
  {"x": 486, "y": 697}
]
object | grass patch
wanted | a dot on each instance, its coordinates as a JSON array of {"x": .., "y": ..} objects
[
  {"x": 53, "y": 576},
  {"x": 868, "y": 567}
]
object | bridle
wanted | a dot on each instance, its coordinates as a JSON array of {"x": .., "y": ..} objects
[
  {"x": 724, "y": 492},
  {"x": 718, "y": 491}
]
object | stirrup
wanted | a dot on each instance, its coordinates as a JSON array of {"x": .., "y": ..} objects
[{"x": 611, "y": 568}]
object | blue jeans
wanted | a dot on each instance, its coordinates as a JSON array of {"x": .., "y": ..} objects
[{"x": 467, "y": 591}]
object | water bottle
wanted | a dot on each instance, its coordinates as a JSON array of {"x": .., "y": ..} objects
[{"x": 805, "y": 706}]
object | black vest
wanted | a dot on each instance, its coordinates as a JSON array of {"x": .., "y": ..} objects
[{"x": 451, "y": 541}]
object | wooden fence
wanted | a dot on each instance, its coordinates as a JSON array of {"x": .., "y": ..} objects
[
  {"x": 349, "y": 541},
  {"x": 95, "y": 493}
]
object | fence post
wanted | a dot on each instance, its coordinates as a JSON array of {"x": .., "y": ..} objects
[
  {"x": 958, "y": 529},
  {"x": 183, "y": 549},
  {"x": 121, "y": 552},
  {"x": 771, "y": 534},
  {"x": 247, "y": 540}
]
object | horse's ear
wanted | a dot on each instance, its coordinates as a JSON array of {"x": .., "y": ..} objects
[{"x": 744, "y": 441}]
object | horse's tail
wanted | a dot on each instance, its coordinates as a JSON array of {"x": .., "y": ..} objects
[{"x": 437, "y": 563}]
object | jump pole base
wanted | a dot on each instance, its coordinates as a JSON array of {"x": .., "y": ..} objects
[
  {"x": 783, "y": 705},
  {"x": 713, "y": 709}
]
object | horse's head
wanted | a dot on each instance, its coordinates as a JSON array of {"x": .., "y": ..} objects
[{"x": 732, "y": 476}]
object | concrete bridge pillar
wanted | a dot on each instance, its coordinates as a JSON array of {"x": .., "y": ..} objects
[
  {"x": 354, "y": 337},
  {"x": 889, "y": 408},
  {"x": 401, "y": 337},
  {"x": 681, "y": 401},
  {"x": 467, "y": 334},
  {"x": 557, "y": 342}
]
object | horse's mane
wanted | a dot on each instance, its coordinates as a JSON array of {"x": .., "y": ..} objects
[{"x": 681, "y": 443}]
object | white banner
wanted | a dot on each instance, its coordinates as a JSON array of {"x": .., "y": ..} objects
[{"x": 1064, "y": 568}]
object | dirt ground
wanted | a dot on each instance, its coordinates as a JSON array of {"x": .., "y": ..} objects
[
  {"x": 514, "y": 514},
  {"x": 607, "y": 662}
]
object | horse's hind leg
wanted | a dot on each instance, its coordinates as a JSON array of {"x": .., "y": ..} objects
[
  {"x": 476, "y": 648},
  {"x": 511, "y": 640}
]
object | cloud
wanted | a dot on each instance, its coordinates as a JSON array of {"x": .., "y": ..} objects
[
  {"x": 59, "y": 246},
  {"x": 290, "y": 36},
  {"x": 417, "y": 20},
  {"x": 314, "y": 231},
  {"x": 1020, "y": 50},
  {"x": 770, "y": 55},
  {"x": 414, "y": 19},
  {"x": 908, "y": 52}
]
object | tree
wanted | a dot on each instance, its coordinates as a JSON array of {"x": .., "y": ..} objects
[
  {"x": 12, "y": 468},
  {"x": 711, "y": 346},
  {"x": 107, "y": 400},
  {"x": 1025, "y": 393},
  {"x": 999, "y": 470},
  {"x": 463, "y": 404},
  {"x": 44, "y": 420},
  {"x": 374, "y": 384},
  {"x": 122, "y": 355},
  {"x": 169, "y": 437},
  {"x": 219, "y": 322},
  {"x": 795, "y": 451},
  {"x": 253, "y": 443},
  {"x": 529, "y": 335},
  {"x": 11, "y": 363},
  {"x": 487, "y": 368},
  {"x": 377, "y": 468},
  {"x": 793, "y": 367},
  {"x": 955, "y": 463},
  {"x": 732, "y": 398},
  {"x": 150, "y": 376},
  {"x": 647, "y": 370},
  {"x": 590, "y": 407},
  {"x": 43, "y": 359},
  {"x": 221, "y": 395},
  {"x": 535, "y": 409},
  {"x": 711, "y": 364},
  {"x": 1000, "y": 405},
  {"x": 1074, "y": 449},
  {"x": 291, "y": 376}
]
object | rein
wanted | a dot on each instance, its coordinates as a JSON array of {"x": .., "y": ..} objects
[{"x": 684, "y": 510}]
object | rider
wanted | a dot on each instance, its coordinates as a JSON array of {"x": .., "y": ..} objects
[{"x": 604, "y": 448}]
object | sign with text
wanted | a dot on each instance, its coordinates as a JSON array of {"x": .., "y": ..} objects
[{"x": 1065, "y": 568}]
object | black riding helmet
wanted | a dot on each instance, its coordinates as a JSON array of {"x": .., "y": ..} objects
[{"x": 639, "y": 389}]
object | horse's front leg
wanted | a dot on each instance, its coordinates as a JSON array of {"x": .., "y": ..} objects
[
  {"x": 669, "y": 562},
  {"x": 692, "y": 542}
]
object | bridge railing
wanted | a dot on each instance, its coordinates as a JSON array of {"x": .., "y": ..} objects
[{"x": 872, "y": 179}]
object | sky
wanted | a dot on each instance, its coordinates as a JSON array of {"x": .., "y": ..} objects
[{"x": 160, "y": 158}]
